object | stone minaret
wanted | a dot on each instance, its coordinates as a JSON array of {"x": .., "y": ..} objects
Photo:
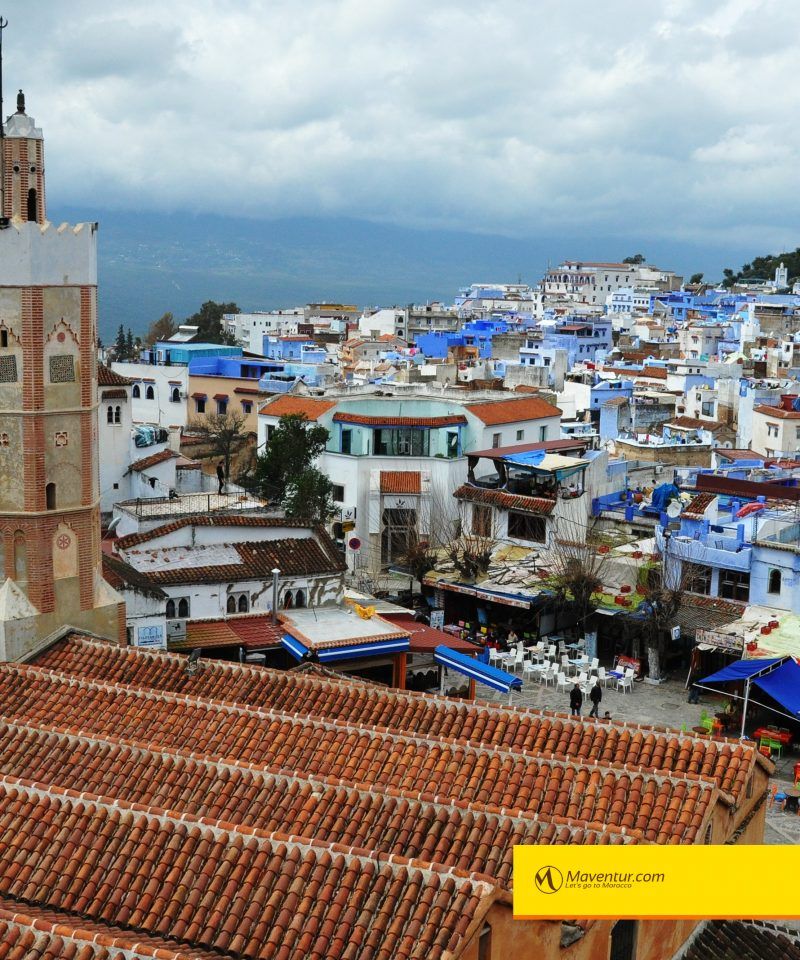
[{"x": 50, "y": 562}]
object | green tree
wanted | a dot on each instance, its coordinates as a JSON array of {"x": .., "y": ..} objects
[
  {"x": 119, "y": 344},
  {"x": 284, "y": 472},
  {"x": 161, "y": 329},
  {"x": 130, "y": 347},
  {"x": 636, "y": 259},
  {"x": 208, "y": 321},
  {"x": 696, "y": 278}
]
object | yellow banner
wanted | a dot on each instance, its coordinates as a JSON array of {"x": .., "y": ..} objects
[{"x": 650, "y": 881}]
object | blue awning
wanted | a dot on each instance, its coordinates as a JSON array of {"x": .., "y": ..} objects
[
  {"x": 783, "y": 685},
  {"x": 475, "y": 670},
  {"x": 354, "y": 650},
  {"x": 740, "y": 670},
  {"x": 297, "y": 649}
]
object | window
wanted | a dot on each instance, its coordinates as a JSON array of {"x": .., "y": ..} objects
[
  {"x": 337, "y": 492},
  {"x": 110, "y": 415},
  {"x": 31, "y": 204},
  {"x": 542, "y": 433},
  {"x": 243, "y": 604},
  {"x": 772, "y": 429},
  {"x": 50, "y": 496},
  {"x": 774, "y": 581},
  {"x": 495, "y": 440},
  {"x": 3, "y": 338},
  {"x": 150, "y": 393},
  {"x": 523, "y": 526},
  {"x": 175, "y": 395},
  {"x": 136, "y": 393},
  {"x": 707, "y": 408},
  {"x": 222, "y": 407},
  {"x": 485, "y": 944},
  {"x": 402, "y": 442},
  {"x": 170, "y": 612},
  {"x": 452, "y": 445},
  {"x": 231, "y": 604},
  {"x": 481, "y": 520},
  {"x": 734, "y": 585},
  {"x": 300, "y": 598},
  {"x": 183, "y": 607},
  {"x": 623, "y": 940},
  {"x": 247, "y": 406},
  {"x": 200, "y": 405},
  {"x": 62, "y": 369},
  {"x": 117, "y": 414}
]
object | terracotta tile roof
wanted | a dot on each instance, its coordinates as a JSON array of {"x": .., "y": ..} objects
[
  {"x": 153, "y": 460},
  {"x": 729, "y": 939},
  {"x": 283, "y": 406},
  {"x": 389, "y": 420},
  {"x": 699, "y": 504},
  {"x": 778, "y": 412},
  {"x": 505, "y": 501},
  {"x": 255, "y": 631},
  {"x": 616, "y": 402},
  {"x": 106, "y": 377},
  {"x": 578, "y": 444},
  {"x": 425, "y": 639},
  {"x": 122, "y": 575},
  {"x": 729, "y": 763},
  {"x": 401, "y": 481},
  {"x": 293, "y": 556},
  {"x": 492, "y": 412},
  {"x": 118, "y": 393},
  {"x": 412, "y": 763},
  {"x": 729, "y": 454},
  {"x": 655, "y": 373},
  {"x": 195, "y": 520},
  {"x": 695, "y": 423}
]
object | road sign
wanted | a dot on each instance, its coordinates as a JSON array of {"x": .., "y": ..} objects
[{"x": 354, "y": 543}]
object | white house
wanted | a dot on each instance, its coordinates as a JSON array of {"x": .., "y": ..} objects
[{"x": 158, "y": 393}]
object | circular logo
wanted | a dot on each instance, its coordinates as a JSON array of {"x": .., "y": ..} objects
[{"x": 548, "y": 879}]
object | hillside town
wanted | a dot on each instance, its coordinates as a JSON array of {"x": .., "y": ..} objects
[{"x": 309, "y": 615}]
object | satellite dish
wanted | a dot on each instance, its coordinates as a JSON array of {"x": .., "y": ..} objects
[{"x": 673, "y": 509}]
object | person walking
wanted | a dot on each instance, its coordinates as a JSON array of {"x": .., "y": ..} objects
[
  {"x": 575, "y": 700},
  {"x": 595, "y": 695},
  {"x": 221, "y": 475}
]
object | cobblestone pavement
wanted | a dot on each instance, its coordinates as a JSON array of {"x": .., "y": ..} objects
[{"x": 666, "y": 706}]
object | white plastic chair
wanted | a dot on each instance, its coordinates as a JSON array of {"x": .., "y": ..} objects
[
  {"x": 528, "y": 669},
  {"x": 551, "y": 652},
  {"x": 626, "y": 682},
  {"x": 594, "y": 665},
  {"x": 583, "y": 678},
  {"x": 538, "y": 653},
  {"x": 518, "y": 661},
  {"x": 563, "y": 682},
  {"x": 602, "y": 676},
  {"x": 549, "y": 673},
  {"x": 566, "y": 666}
]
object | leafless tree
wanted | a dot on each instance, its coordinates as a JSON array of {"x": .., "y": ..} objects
[
  {"x": 223, "y": 432},
  {"x": 576, "y": 568}
]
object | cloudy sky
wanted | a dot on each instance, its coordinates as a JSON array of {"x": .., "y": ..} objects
[{"x": 651, "y": 117}]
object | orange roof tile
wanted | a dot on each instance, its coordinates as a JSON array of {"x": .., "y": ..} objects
[
  {"x": 286, "y": 405},
  {"x": 401, "y": 481},
  {"x": 390, "y": 420},
  {"x": 153, "y": 460},
  {"x": 493, "y": 412},
  {"x": 506, "y": 501}
]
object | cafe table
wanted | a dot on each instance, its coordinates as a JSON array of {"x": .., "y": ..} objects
[{"x": 782, "y": 736}]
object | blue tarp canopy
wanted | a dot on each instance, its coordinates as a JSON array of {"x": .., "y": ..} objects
[
  {"x": 348, "y": 651},
  {"x": 297, "y": 649},
  {"x": 740, "y": 670},
  {"x": 532, "y": 458},
  {"x": 475, "y": 670},
  {"x": 783, "y": 685},
  {"x": 779, "y": 677}
]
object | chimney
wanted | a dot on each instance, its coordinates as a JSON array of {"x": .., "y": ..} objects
[{"x": 275, "y": 574}]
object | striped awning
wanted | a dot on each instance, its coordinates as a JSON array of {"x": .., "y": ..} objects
[
  {"x": 475, "y": 670},
  {"x": 297, "y": 649},
  {"x": 347, "y": 651}
]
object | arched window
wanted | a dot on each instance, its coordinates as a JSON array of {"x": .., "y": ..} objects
[
  {"x": 288, "y": 600},
  {"x": 20, "y": 556},
  {"x": 183, "y": 607},
  {"x": 774, "y": 582},
  {"x": 170, "y": 609},
  {"x": 244, "y": 606},
  {"x": 300, "y": 598},
  {"x": 176, "y": 395},
  {"x": 110, "y": 415},
  {"x": 231, "y": 604},
  {"x": 117, "y": 414},
  {"x": 50, "y": 496},
  {"x": 150, "y": 393},
  {"x": 31, "y": 205},
  {"x": 3, "y": 338},
  {"x": 136, "y": 392}
]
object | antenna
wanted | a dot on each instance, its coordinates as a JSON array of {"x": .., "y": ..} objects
[{"x": 3, "y": 217}]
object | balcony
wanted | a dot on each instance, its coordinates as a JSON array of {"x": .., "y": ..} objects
[{"x": 716, "y": 551}]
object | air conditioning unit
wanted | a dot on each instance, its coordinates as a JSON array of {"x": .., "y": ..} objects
[{"x": 176, "y": 629}]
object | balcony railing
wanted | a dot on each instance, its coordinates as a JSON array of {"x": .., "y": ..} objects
[{"x": 721, "y": 551}]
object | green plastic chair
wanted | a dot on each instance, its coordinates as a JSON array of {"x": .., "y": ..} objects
[
  {"x": 775, "y": 747},
  {"x": 708, "y": 723}
]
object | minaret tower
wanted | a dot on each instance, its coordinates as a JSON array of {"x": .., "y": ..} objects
[{"x": 50, "y": 561}]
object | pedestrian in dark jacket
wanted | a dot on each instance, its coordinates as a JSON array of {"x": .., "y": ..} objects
[
  {"x": 575, "y": 700},
  {"x": 221, "y": 474},
  {"x": 595, "y": 695}
]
